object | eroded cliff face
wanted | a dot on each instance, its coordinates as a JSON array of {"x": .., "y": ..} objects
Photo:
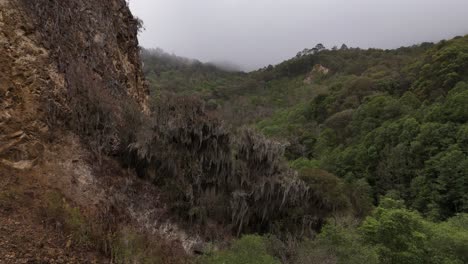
[
  {"x": 50, "y": 52},
  {"x": 99, "y": 37},
  {"x": 49, "y": 48}
]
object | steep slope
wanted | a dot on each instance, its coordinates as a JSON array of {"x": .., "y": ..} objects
[
  {"x": 48, "y": 54},
  {"x": 69, "y": 71}
]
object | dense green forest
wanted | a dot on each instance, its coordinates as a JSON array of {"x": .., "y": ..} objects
[{"x": 379, "y": 139}]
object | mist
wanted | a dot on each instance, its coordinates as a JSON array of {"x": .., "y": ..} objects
[{"x": 256, "y": 33}]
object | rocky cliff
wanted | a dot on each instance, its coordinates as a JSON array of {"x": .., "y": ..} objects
[
  {"x": 51, "y": 48},
  {"x": 55, "y": 55}
]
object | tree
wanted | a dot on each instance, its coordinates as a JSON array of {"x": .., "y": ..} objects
[
  {"x": 403, "y": 236},
  {"x": 399, "y": 234},
  {"x": 449, "y": 172},
  {"x": 456, "y": 103},
  {"x": 319, "y": 47}
]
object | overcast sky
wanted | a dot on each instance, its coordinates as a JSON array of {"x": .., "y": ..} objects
[{"x": 255, "y": 33}]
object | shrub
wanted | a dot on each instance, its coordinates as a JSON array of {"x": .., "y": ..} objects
[
  {"x": 403, "y": 236},
  {"x": 250, "y": 249},
  {"x": 303, "y": 163},
  {"x": 327, "y": 190},
  {"x": 336, "y": 244},
  {"x": 58, "y": 210},
  {"x": 399, "y": 235}
]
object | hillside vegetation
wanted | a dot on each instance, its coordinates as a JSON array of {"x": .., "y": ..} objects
[
  {"x": 375, "y": 140},
  {"x": 334, "y": 156}
]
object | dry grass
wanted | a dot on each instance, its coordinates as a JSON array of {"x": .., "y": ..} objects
[{"x": 122, "y": 244}]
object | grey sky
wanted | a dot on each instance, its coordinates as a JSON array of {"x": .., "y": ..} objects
[{"x": 255, "y": 33}]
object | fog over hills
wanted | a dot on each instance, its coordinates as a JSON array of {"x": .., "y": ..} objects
[{"x": 257, "y": 33}]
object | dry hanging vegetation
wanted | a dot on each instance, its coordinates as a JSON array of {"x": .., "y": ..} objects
[{"x": 236, "y": 179}]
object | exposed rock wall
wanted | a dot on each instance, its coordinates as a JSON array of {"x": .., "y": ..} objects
[
  {"x": 99, "y": 37},
  {"x": 317, "y": 71},
  {"x": 48, "y": 48},
  {"x": 24, "y": 75}
]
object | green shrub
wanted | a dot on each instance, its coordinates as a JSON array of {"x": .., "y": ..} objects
[
  {"x": 74, "y": 223},
  {"x": 336, "y": 244},
  {"x": 250, "y": 249},
  {"x": 403, "y": 236},
  {"x": 399, "y": 235},
  {"x": 450, "y": 239},
  {"x": 303, "y": 163}
]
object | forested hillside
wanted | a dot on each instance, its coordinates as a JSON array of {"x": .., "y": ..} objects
[{"x": 375, "y": 143}]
